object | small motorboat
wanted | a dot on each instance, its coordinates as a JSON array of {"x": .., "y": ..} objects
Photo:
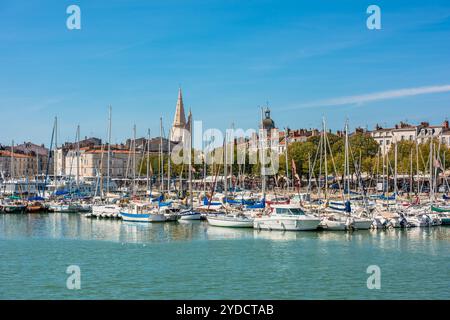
[
  {"x": 190, "y": 215},
  {"x": 35, "y": 207},
  {"x": 335, "y": 223},
  {"x": 287, "y": 217},
  {"x": 361, "y": 223},
  {"x": 14, "y": 208},
  {"x": 138, "y": 212}
]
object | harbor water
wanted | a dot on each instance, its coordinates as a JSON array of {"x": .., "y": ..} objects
[{"x": 192, "y": 260}]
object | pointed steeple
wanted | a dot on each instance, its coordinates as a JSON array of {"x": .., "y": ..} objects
[
  {"x": 179, "y": 121},
  {"x": 180, "y": 118}
]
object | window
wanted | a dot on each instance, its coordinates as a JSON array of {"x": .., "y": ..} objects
[
  {"x": 297, "y": 211},
  {"x": 388, "y": 142},
  {"x": 283, "y": 211}
]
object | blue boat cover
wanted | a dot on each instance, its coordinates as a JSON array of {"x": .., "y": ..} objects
[
  {"x": 258, "y": 205},
  {"x": 36, "y": 199}
]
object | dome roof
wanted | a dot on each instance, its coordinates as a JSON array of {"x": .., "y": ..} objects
[{"x": 268, "y": 123}]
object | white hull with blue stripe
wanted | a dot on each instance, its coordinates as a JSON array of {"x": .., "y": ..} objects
[
  {"x": 143, "y": 217},
  {"x": 190, "y": 215}
]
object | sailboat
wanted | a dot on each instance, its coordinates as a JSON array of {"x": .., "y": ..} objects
[
  {"x": 234, "y": 220},
  {"x": 111, "y": 207},
  {"x": 144, "y": 212},
  {"x": 444, "y": 214},
  {"x": 12, "y": 205},
  {"x": 190, "y": 214},
  {"x": 342, "y": 216},
  {"x": 287, "y": 217}
]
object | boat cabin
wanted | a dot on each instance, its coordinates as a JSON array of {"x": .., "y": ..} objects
[{"x": 287, "y": 210}]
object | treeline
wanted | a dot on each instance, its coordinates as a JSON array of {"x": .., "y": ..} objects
[{"x": 364, "y": 157}]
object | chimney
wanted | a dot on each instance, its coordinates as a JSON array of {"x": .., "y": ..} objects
[{"x": 445, "y": 124}]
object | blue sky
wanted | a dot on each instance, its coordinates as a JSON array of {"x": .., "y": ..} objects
[{"x": 229, "y": 58}]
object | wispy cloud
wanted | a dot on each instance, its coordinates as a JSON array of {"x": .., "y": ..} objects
[{"x": 376, "y": 96}]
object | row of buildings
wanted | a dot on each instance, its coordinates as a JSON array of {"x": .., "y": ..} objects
[
  {"x": 23, "y": 160},
  {"x": 404, "y": 131},
  {"x": 385, "y": 137}
]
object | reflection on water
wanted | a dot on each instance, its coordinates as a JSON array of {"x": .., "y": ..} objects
[
  {"x": 188, "y": 260},
  {"x": 219, "y": 233},
  {"x": 74, "y": 226}
]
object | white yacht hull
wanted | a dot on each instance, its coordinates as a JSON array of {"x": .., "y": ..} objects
[
  {"x": 105, "y": 211},
  {"x": 141, "y": 217},
  {"x": 362, "y": 224},
  {"x": 334, "y": 225},
  {"x": 63, "y": 208},
  {"x": 191, "y": 216},
  {"x": 285, "y": 224},
  {"x": 220, "y": 222}
]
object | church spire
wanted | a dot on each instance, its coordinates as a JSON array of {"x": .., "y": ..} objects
[
  {"x": 179, "y": 121},
  {"x": 180, "y": 118}
]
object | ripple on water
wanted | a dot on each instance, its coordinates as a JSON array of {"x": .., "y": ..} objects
[{"x": 195, "y": 261}]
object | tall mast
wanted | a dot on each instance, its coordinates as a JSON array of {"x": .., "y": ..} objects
[
  {"x": 262, "y": 143},
  {"x": 395, "y": 166},
  {"x": 161, "y": 157},
  {"x": 55, "y": 173},
  {"x": 411, "y": 182},
  {"x": 325, "y": 157},
  {"x": 431, "y": 170},
  {"x": 12, "y": 161},
  {"x": 346, "y": 164},
  {"x": 384, "y": 165},
  {"x": 230, "y": 156},
  {"x": 286, "y": 156},
  {"x": 204, "y": 168},
  {"x": 99, "y": 173},
  {"x": 309, "y": 174},
  {"x": 417, "y": 166},
  {"x": 168, "y": 161},
  {"x": 37, "y": 165},
  {"x": 320, "y": 150},
  {"x": 148, "y": 161},
  {"x": 225, "y": 165},
  {"x": 190, "y": 165},
  {"x": 109, "y": 150},
  {"x": 134, "y": 160}
]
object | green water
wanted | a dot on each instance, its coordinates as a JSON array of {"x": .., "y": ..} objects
[{"x": 192, "y": 260}]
